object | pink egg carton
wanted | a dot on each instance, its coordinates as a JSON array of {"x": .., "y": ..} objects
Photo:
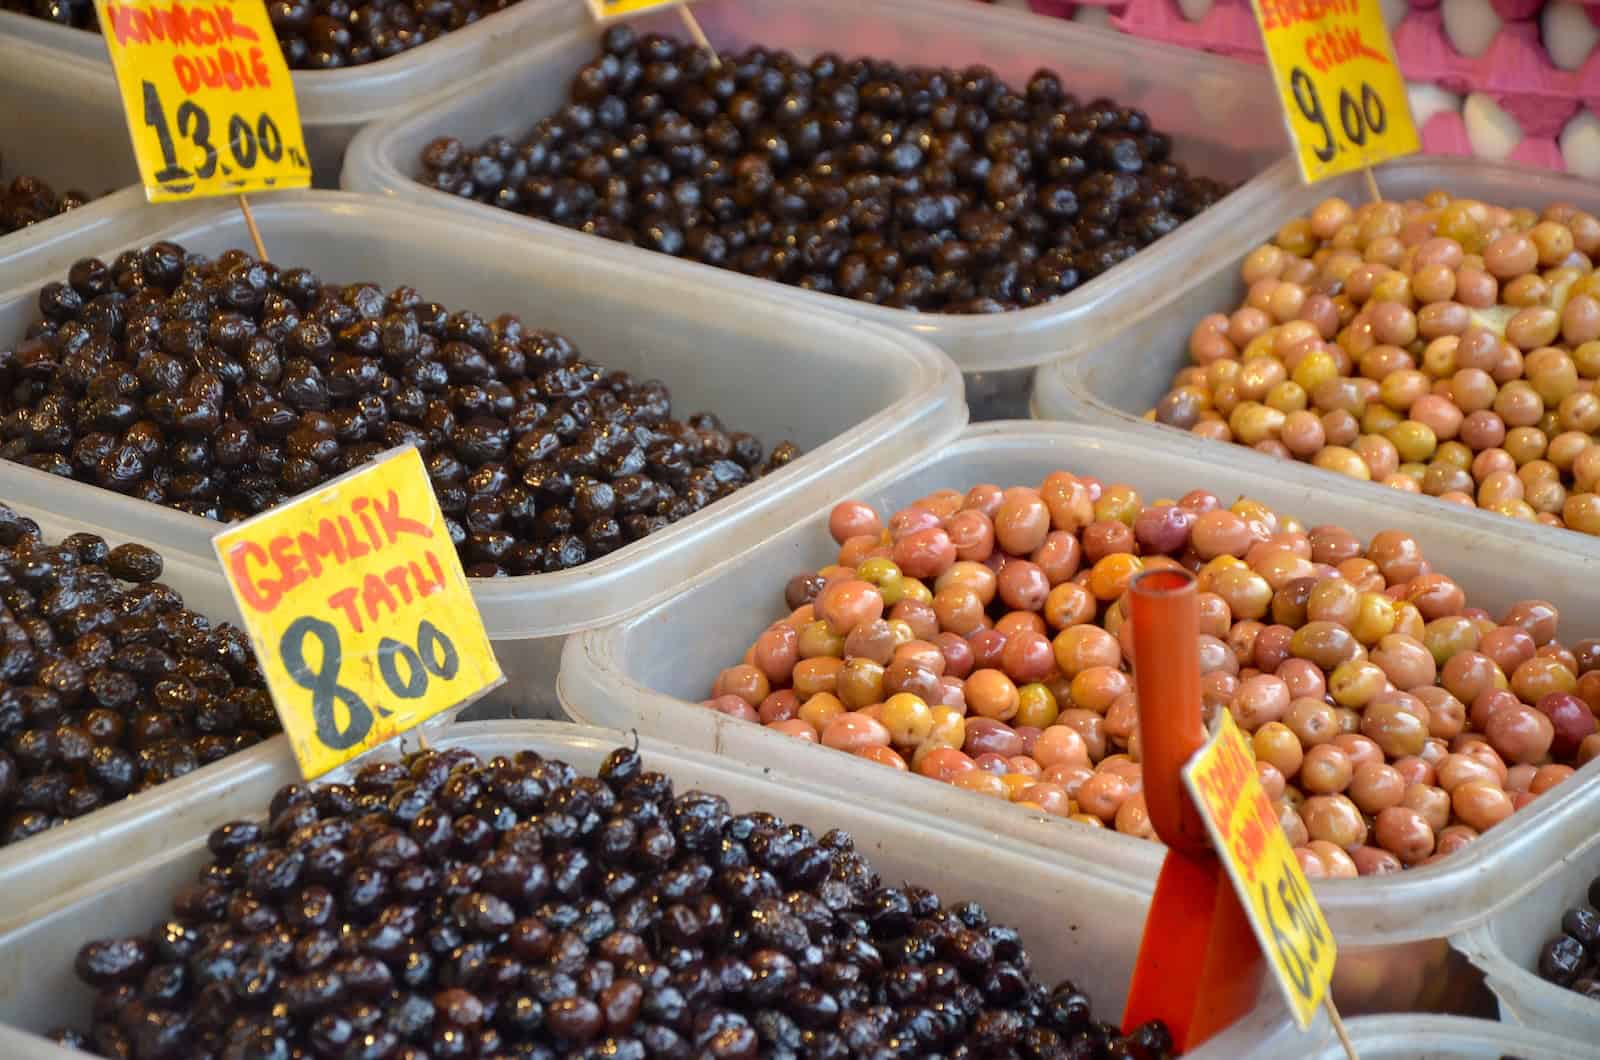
[
  {"x": 1515, "y": 64},
  {"x": 1229, "y": 28},
  {"x": 1508, "y": 10},
  {"x": 1514, "y": 71},
  {"x": 1515, "y": 68},
  {"x": 1446, "y": 134},
  {"x": 1068, "y": 8}
]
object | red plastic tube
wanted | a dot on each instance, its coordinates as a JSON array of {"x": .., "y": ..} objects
[
  {"x": 1165, "y": 611},
  {"x": 1199, "y": 966}
]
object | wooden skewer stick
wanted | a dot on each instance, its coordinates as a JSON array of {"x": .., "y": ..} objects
[
  {"x": 250, "y": 222},
  {"x": 1333, "y": 1010},
  {"x": 1372, "y": 185},
  {"x": 692, "y": 24}
]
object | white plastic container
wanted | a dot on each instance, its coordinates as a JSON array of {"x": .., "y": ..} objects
[
  {"x": 1079, "y": 920},
  {"x": 62, "y": 122},
  {"x": 1431, "y": 1038},
  {"x": 857, "y": 398},
  {"x": 143, "y": 824},
  {"x": 650, "y": 670},
  {"x": 335, "y": 104},
  {"x": 1114, "y": 371},
  {"x": 1507, "y": 945},
  {"x": 1223, "y": 117}
]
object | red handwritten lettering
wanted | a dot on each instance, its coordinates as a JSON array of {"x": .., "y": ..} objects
[
  {"x": 265, "y": 573},
  {"x": 181, "y": 24},
  {"x": 224, "y": 68},
  {"x": 258, "y": 68},
  {"x": 188, "y": 74},
  {"x": 1284, "y": 14},
  {"x": 231, "y": 29},
  {"x": 375, "y": 592},
  {"x": 262, "y": 596},
  {"x": 345, "y": 600},
  {"x": 1340, "y": 45},
  {"x": 394, "y": 524}
]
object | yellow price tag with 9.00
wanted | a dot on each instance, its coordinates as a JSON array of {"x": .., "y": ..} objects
[
  {"x": 1341, "y": 90},
  {"x": 207, "y": 95},
  {"x": 1276, "y": 897},
  {"x": 358, "y": 610}
]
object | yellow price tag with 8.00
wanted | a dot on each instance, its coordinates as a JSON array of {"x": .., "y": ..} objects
[
  {"x": 1276, "y": 897},
  {"x": 358, "y": 610},
  {"x": 1342, "y": 93},
  {"x": 207, "y": 95}
]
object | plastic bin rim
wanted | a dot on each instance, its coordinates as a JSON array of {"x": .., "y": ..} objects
[
  {"x": 1425, "y": 1030},
  {"x": 1480, "y": 946},
  {"x": 924, "y": 371},
  {"x": 590, "y": 738},
  {"x": 1022, "y": 328},
  {"x": 313, "y": 87},
  {"x": 23, "y": 58},
  {"x": 134, "y": 806},
  {"x": 56, "y": 62},
  {"x": 1431, "y": 887}
]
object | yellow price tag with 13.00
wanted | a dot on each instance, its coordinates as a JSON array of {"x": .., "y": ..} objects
[
  {"x": 1342, "y": 94},
  {"x": 358, "y": 610},
  {"x": 207, "y": 95},
  {"x": 1276, "y": 897}
]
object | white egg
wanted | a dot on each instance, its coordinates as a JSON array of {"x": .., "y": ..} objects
[
  {"x": 1470, "y": 25},
  {"x": 1580, "y": 145},
  {"x": 1394, "y": 12},
  {"x": 1093, "y": 15},
  {"x": 1569, "y": 33},
  {"x": 1428, "y": 100},
  {"x": 1492, "y": 132},
  {"x": 1195, "y": 10}
]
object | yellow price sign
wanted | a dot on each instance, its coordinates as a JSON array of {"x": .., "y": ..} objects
[
  {"x": 1342, "y": 94},
  {"x": 608, "y": 9},
  {"x": 207, "y": 95},
  {"x": 1244, "y": 829},
  {"x": 358, "y": 610}
]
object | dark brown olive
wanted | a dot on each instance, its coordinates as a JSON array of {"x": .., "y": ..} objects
[
  {"x": 134, "y": 563},
  {"x": 1569, "y": 958},
  {"x": 26, "y": 200},
  {"x": 1561, "y": 959},
  {"x": 113, "y": 961}
]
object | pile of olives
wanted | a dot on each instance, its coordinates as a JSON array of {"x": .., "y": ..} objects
[
  {"x": 447, "y": 906},
  {"x": 940, "y": 190},
  {"x": 108, "y": 684},
  {"x": 222, "y": 387}
]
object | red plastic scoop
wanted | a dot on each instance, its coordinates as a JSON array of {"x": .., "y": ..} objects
[{"x": 1199, "y": 966}]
